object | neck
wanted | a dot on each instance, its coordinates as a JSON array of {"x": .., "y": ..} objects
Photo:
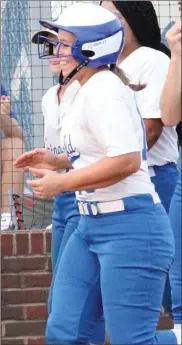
[
  {"x": 127, "y": 51},
  {"x": 85, "y": 74},
  {"x": 82, "y": 76}
]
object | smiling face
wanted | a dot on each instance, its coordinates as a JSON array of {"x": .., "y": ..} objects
[{"x": 66, "y": 63}]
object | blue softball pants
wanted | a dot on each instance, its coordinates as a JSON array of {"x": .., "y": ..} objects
[
  {"x": 116, "y": 263},
  {"x": 165, "y": 181},
  {"x": 175, "y": 273},
  {"x": 64, "y": 222}
]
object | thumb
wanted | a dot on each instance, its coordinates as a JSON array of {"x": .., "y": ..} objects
[
  {"x": 38, "y": 172},
  {"x": 40, "y": 150}
]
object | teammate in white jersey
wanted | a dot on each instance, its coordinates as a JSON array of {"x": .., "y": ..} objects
[
  {"x": 65, "y": 211},
  {"x": 143, "y": 62},
  {"x": 123, "y": 242},
  {"x": 171, "y": 115}
]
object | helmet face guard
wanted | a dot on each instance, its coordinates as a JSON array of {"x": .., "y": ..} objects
[
  {"x": 49, "y": 48},
  {"x": 99, "y": 36}
]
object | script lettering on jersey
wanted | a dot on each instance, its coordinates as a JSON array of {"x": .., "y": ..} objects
[
  {"x": 72, "y": 153},
  {"x": 57, "y": 150}
]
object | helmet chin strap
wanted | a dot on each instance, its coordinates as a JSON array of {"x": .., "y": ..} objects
[{"x": 72, "y": 74}]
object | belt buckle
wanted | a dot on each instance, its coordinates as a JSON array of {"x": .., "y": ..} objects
[
  {"x": 84, "y": 209},
  {"x": 94, "y": 209},
  {"x": 81, "y": 208}
]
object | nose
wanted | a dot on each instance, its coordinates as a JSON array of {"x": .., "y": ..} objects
[{"x": 60, "y": 50}]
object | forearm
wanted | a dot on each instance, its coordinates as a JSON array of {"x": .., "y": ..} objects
[
  {"x": 104, "y": 173},
  {"x": 152, "y": 139},
  {"x": 171, "y": 95},
  {"x": 17, "y": 132},
  {"x": 62, "y": 162},
  {"x": 154, "y": 129},
  {"x": 10, "y": 127},
  {"x": 6, "y": 124}
]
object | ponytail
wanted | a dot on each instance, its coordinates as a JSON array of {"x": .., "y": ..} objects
[{"x": 121, "y": 74}]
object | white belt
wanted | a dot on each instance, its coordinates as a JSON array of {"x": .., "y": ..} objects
[
  {"x": 100, "y": 207},
  {"x": 94, "y": 208}
]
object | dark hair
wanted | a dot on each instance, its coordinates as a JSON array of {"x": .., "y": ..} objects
[
  {"x": 164, "y": 49},
  {"x": 143, "y": 21},
  {"x": 122, "y": 75}
]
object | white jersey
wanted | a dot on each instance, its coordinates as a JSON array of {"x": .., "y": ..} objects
[
  {"x": 149, "y": 66},
  {"x": 103, "y": 121},
  {"x": 51, "y": 113}
]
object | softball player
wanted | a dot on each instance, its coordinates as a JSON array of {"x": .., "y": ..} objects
[
  {"x": 123, "y": 233},
  {"x": 171, "y": 116},
  {"x": 144, "y": 63},
  {"x": 65, "y": 212}
]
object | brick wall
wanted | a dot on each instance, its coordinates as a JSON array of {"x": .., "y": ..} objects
[{"x": 26, "y": 276}]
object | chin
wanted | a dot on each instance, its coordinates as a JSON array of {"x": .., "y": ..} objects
[{"x": 55, "y": 70}]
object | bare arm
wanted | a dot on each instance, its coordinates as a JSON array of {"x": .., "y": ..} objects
[
  {"x": 171, "y": 96},
  {"x": 11, "y": 128},
  {"x": 115, "y": 169},
  {"x": 9, "y": 125},
  {"x": 62, "y": 162},
  {"x": 153, "y": 131}
]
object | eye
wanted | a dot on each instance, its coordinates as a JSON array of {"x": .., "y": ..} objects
[
  {"x": 55, "y": 44},
  {"x": 66, "y": 45}
]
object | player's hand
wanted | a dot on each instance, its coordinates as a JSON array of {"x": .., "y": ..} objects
[
  {"x": 48, "y": 184},
  {"x": 39, "y": 158},
  {"x": 5, "y": 106},
  {"x": 173, "y": 37}
]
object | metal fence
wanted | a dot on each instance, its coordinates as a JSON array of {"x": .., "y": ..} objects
[{"x": 26, "y": 79}]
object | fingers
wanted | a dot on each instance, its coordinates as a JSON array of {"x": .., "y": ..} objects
[
  {"x": 22, "y": 161},
  {"x": 37, "y": 188},
  {"x": 25, "y": 159},
  {"x": 35, "y": 185},
  {"x": 5, "y": 100},
  {"x": 38, "y": 172},
  {"x": 176, "y": 29},
  {"x": 41, "y": 150}
]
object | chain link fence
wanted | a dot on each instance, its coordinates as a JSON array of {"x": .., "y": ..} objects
[{"x": 26, "y": 79}]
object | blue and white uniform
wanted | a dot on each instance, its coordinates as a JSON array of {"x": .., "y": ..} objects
[
  {"x": 119, "y": 256},
  {"x": 123, "y": 241},
  {"x": 150, "y": 67},
  {"x": 175, "y": 272},
  {"x": 65, "y": 212}
]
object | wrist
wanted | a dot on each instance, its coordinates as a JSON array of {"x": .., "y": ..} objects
[
  {"x": 62, "y": 183},
  {"x": 57, "y": 162},
  {"x": 5, "y": 123},
  {"x": 175, "y": 57}
]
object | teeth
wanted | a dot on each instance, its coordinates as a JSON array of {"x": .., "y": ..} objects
[{"x": 63, "y": 63}]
